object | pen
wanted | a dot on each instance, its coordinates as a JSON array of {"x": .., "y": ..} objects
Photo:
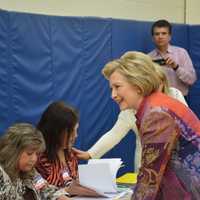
[
  {"x": 122, "y": 165},
  {"x": 120, "y": 195}
]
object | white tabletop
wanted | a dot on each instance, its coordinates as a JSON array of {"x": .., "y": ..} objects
[{"x": 125, "y": 195}]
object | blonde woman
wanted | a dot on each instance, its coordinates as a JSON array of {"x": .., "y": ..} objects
[
  {"x": 126, "y": 122},
  {"x": 169, "y": 131},
  {"x": 19, "y": 148}
]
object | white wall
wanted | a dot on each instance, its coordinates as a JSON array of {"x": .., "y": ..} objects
[
  {"x": 192, "y": 11},
  {"x": 147, "y": 10}
]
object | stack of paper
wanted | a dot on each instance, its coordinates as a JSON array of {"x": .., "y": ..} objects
[{"x": 100, "y": 174}]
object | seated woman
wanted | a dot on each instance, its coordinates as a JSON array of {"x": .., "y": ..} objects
[
  {"x": 19, "y": 148},
  {"x": 58, "y": 164},
  {"x": 58, "y": 124}
]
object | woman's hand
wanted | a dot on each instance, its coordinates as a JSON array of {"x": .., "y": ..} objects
[
  {"x": 63, "y": 197},
  {"x": 78, "y": 190},
  {"x": 83, "y": 155}
]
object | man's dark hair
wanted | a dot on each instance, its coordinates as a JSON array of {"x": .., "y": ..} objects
[{"x": 161, "y": 23}]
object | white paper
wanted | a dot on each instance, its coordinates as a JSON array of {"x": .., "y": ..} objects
[
  {"x": 100, "y": 175},
  {"x": 114, "y": 164}
]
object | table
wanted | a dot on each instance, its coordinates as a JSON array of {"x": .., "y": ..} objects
[{"x": 126, "y": 195}]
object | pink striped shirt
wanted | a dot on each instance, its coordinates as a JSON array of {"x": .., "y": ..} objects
[{"x": 185, "y": 75}]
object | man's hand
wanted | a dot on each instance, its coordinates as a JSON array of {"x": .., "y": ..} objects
[{"x": 171, "y": 63}]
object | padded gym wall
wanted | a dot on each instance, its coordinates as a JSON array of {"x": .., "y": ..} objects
[{"x": 48, "y": 58}]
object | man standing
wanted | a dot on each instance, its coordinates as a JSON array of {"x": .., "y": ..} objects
[{"x": 175, "y": 60}]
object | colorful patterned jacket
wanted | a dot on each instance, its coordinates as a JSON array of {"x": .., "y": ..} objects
[{"x": 170, "y": 137}]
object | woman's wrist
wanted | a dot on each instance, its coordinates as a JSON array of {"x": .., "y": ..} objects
[{"x": 89, "y": 156}]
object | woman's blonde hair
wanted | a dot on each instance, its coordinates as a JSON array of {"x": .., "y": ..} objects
[
  {"x": 138, "y": 69},
  {"x": 163, "y": 79},
  {"x": 12, "y": 144},
  {"x": 160, "y": 72}
]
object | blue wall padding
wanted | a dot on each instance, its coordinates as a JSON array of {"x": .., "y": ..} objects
[
  {"x": 4, "y": 72},
  {"x": 194, "y": 49},
  {"x": 128, "y": 35},
  {"x": 46, "y": 58}
]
